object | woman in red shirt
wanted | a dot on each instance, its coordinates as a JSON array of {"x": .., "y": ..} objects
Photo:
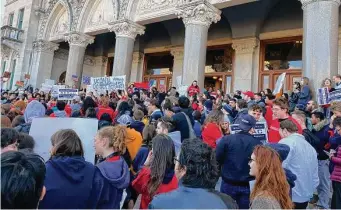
[
  {"x": 104, "y": 108},
  {"x": 211, "y": 131},
  {"x": 157, "y": 176},
  {"x": 193, "y": 89}
]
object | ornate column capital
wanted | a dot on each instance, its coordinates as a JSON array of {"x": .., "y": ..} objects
[
  {"x": 45, "y": 46},
  {"x": 244, "y": 46},
  {"x": 79, "y": 39},
  {"x": 137, "y": 57},
  {"x": 178, "y": 53},
  {"x": 305, "y": 3},
  {"x": 126, "y": 28},
  {"x": 199, "y": 12}
]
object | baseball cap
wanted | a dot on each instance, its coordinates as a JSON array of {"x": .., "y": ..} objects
[
  {"x": 247, "y": 122},
  {"x": 228, "y": 108},
  {"x": 249, "y": 93},
  {"x": 282, "y": 149}
]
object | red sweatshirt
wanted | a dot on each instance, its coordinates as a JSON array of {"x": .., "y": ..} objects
[
  {"x": 210, "y": 134},
  {"x": 268, "y": 115},
  {"x": 274, "y": 136},
  {"x": 192, "y": 90},
  {"x": 140, "y": 184},
  {"x": 108, "y": 110}
]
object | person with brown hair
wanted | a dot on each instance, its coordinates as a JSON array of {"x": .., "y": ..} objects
[
  {"x": 280, "y": 108},
  {"x": 302, "y": 161},
  {"x": 112, "y": 173},
  {"x": 104, "y": 108},
  {"x": 271, "y": 190},
  {"x": 211, "y": 129},
  {"x": 157, "y": 176},
  {"x": 5, "y": 122},
  {"x": 69, "y": 178},
  {"x": 305, "y": 94}
]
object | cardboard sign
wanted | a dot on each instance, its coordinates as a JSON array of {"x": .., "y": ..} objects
[
  {"x": 42, "y": 130},
  {"x": 279, "y": 84},
  {"x": 183, "y": 90},
  {"x": 322, "y": 96},
  {"x": 108, "y": 83},
  {"x": 260, "y": 129},
  {"x": 335, "y": 96},
  {"x": 20, "y": 84},
  {"x": 86, "y": 80},
  {"x": 67, "y": 93}
]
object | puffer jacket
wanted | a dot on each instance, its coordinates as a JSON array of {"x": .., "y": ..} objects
[{"x": 336, "y": 174}]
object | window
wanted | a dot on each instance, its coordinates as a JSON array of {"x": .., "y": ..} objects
[
  {"x": 20, "y": 18},
  {"x": 219, "y": 60},
  {"x": 283, "y": 56},
  {"x": 159, "y": 64},
  {"x": 10, "y": 19},
  {"x": 3, "y": 67}
]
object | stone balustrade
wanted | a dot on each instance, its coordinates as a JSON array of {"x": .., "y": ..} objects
[{"x": 12, "y": 33}]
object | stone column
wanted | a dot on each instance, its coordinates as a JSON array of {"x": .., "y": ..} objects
[
  {"x": 197, "y": 17},
  {"x": 43, "y": 52},
  {"x": 178, "y": 54},
  {"x": 320, "y": 39},
  {"x": 243, "y": 65},
  {"x": 126, "y": 32},
  {"x": 339, "y": 54},
  {"x": 78, "y": 43},
  {"x": 137, "y": 67}
]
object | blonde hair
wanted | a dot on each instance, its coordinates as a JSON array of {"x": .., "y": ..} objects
[
  {"x": 105, "y": 101},
  {"x": 335, "y": 106},
  {"x": 116, "y": 135}
]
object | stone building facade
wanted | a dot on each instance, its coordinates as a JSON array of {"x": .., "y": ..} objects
[{"x": 224, "y": 44}]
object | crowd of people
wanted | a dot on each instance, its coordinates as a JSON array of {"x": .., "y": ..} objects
[{"x": 158, "y": 149}]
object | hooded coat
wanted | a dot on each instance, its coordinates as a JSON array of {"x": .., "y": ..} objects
[
  {"x": 33, "y": 110},
  {"x": 111, "y": 178},
  {"x": 69, "y": 184}
]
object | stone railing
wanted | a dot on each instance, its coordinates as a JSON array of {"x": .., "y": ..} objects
[{"x": 11, "y": 33}]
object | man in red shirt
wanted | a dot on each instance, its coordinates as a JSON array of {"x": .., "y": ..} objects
[{"x": 280, "y": 109}]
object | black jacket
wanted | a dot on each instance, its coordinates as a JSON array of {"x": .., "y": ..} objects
[
  {"x": 233, "y": 153},
  {"x": 315, "y": 142}
]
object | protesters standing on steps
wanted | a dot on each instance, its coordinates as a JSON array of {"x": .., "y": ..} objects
[{"x": 233, "y": 152}]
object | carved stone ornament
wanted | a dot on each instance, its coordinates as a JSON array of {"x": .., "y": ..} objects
[
  {"x": 126, "y": 28},
  {"x": 146, "y": 7},
  {"x": 137, "y": 57},
  {"x": 305, "y": 3},
  {"x": 61, "y": 54},
  {"x": 5, "y": 52},
  {"x": 198, "y": 13},
  {"x": 122, "y": 9},
  {"x": 244, "y": 46},
  {"x": 178, "y": 53},
  {"x": 89, "y": 60},
  {"x": 45, "y": 46},
  {"x": 79, "y": 39}
]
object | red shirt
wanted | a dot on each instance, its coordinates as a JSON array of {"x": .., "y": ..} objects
[
  {"x": 108, "y": 110},
  {"x": 192, "y": 90},
  {"x": 140, "y": 184},
  {"x": 268, "y": 115},
  {"x": 210, "y": 134},
  {"x": 274, "y": 136}
]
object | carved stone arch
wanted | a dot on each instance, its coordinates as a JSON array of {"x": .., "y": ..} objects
[
  {"x": 96, "y": 14},
  {"x": 50, "y": 17},
  {"x": 130, "y": 9}
]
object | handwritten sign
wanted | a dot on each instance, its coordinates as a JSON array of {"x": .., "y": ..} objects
[
  {"x": 85, "y": 128},
  {"x": 108, "y": 83},
  {"x": 260, "y": 130},
  {"x": 322, "y": 96},
  {"x": 67, "y": 93},
  {"x": 183, "y": 90},
  {"x": 335, "y": 95},
  {"x": 86, "y": 80}
]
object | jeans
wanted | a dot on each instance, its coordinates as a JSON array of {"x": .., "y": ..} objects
[
  {"x": 241, "y": 194},
  {"x": 336, "y": 199},
  {"x": 301, "y": 205},
  {"x": 323, "y": 189}
]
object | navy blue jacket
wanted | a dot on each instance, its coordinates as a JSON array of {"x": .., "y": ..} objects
[
  {"x": 112, "y": 176},
  {"x": 321, "y": 132},
  {"x": 157, "y": 114},
  {"x": 305, "y": 95},
  {"x": 140, "y": 158},
  {"x": 69, "y": 184},
  {"x": 138, "y": 126},
  {"x": 181, "y": 125},
  {"x": 233, "y": 153},
  {"x": 239, "y": 115}
]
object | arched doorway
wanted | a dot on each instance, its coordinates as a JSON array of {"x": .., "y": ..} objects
[{"x": 62, "y": 78}]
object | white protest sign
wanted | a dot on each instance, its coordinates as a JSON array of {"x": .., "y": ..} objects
[
  {"x": 279, "y": 83},
  {"x": 49, "y": 82},
  {"x": 322, "y": 96},
  {"x": 46, "y": 88},
  {"x": 183, "y": 90},
  {"x": 54, "y": 90},
  {"x": 42, "y": 130},
  {"x": 108, "y": 83},
  {"x": 67, "y": 93},
  {"x": 260, "y": 130}
]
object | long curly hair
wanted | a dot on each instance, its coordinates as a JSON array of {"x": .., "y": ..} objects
[
  {"x": 215, "y": 116},
  {"x": 116, "y": 135},
  {"x": 271, "y": 180}
]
